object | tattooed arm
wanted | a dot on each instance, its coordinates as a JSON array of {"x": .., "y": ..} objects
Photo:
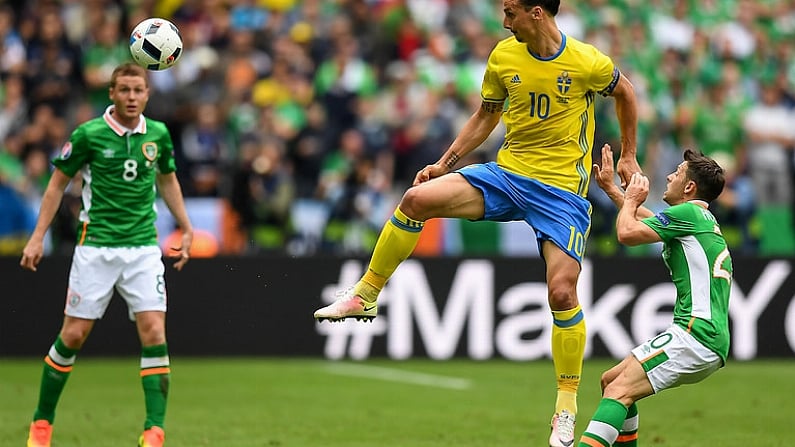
[{"x": 472, "y": 135}]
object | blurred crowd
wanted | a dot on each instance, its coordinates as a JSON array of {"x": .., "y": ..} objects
[{"x": 302, "y": 121}]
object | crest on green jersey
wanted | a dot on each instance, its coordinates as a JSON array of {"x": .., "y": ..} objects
[{"x": 150, "y": 150}]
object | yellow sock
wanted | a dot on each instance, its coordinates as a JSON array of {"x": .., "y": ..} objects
[
  {"x": 395, "y": 243},
  {"x": 369, "y": 286},
  {"x": 568, "y": 349}
]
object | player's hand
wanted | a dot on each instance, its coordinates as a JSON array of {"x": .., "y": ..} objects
[
  {"x": 626, "y": 167},
  {"x": 605, "y": 175},
  {"x": 429, "y": 172},
  {"x": 32, "y": 254},
  {"x": 183, "y": 252},
  {"x": 638, "y": 189}
]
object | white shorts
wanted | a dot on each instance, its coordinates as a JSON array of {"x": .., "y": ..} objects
[
  {"x": 675, "y": 358},
  {"x": 136, "y": 273}
]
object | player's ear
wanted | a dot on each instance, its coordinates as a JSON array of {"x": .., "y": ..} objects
[{"x": 690, "y": 187}]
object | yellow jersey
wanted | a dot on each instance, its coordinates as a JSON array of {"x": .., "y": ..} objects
[{"x": 549, "y": 117}]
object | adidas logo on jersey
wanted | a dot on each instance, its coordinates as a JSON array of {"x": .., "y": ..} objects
[{"x": 515, "y": 79}]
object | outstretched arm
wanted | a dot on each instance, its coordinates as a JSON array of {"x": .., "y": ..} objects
[
  {"x": 627, "y": 114},
  {"x": 604, "y": 177},
  {"x": 473, "y": 134},
  {"x": 34, "y": 249},
  {"x": 629, "y": 229},
  {"x": 169, "y": 188}
]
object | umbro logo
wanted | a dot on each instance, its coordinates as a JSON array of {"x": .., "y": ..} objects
[
  {"x": 368, "y": 309},
  {"x": 515, "y": 79}
]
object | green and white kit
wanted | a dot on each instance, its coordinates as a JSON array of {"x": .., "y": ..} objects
[
  {"x": 117, "y": 245},
  {"x": 700, "y": 265},
  {"x": 118, "y": 167}
]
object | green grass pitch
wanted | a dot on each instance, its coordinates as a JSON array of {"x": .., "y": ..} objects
[{"x": 266, "y": 402}]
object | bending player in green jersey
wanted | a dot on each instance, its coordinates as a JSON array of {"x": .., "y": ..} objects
[
  {"x": 543, "y": 85},
  {"x": 697, "y": 343},
  {"x": 121, "y": 155}
]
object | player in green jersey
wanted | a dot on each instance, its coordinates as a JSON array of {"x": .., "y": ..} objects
[
  {"x": 697, "y": 343},
  {"x": 543, "y": 85},
  {"x": 121, "y": 157}
]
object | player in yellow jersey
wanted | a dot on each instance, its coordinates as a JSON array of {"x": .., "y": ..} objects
[{"x": 549, "y": 82}]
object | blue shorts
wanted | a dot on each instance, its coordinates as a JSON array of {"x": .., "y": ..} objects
[{"x": 556, "y": 215}]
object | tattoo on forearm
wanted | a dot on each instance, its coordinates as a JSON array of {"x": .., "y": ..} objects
[
  {"x": 491, "y": 107},
  {"x": 452, "y": 160}
]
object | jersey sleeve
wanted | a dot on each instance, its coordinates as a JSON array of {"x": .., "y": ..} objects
[
  {"x": 74, "y": 154},
  {"x": 604, "y": 75},
  {"x": 672, "y": 223},
  {"x": 165, "y": 161},
  {"x": 493, "y": 90}
]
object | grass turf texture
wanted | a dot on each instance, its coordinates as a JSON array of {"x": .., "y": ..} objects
[{"x": 308, "y": 402}]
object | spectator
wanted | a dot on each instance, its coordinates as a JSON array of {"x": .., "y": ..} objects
[
  {"x": 768, "y": 125},
  {"x": 302, "y": 73},
  {"x": 104, "y": 51},
  {"x": 16, "y": 221},
  {"x": 771, "y": 136},
  {"x": 13, "y": 105},
  {"x": 735, "y": 207},
  {"x": 54, "y": 72},
  {"x": 261, "y": 194},
  {"x": 12, "y": 49},
  {"x": 204, "y": 150}
]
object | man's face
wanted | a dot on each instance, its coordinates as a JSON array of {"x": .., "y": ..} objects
[
  {"x": 129, "y": 95},
  {"x": 518, "y": 20},
  {"x": 677, "y": 182}
]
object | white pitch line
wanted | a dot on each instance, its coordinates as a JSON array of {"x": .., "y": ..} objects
[{"x": 399, "y": 375}]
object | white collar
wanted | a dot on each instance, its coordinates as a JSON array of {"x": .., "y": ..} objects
[
  {"x": 699, "y": 202},
  {"x": 118, "y": 127}
]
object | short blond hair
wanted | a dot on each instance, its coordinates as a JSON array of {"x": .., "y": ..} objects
[{"x": 128, "y": 69}]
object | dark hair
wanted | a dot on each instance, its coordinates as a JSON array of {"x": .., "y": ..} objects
[
  {"x": 128, "y": 69},
  {"x": 706, "y": 173},
  {"x": 551, "y": 6}
]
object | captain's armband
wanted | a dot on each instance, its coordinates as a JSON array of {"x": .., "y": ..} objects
[{"x": 491, "y": 107}]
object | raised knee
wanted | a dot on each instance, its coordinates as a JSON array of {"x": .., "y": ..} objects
[{"x": 411, "y": 205}]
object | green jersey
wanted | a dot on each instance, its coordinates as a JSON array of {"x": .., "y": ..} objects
[
  {"x": 701, "y": 268},
  {"x": 119, "y": 168}
]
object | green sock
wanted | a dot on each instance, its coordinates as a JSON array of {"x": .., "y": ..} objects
[
  {"x": 155, "y": 378},
  {"x": 628, "y": 436},
  {"x": 605, "y": 424},
  {"x": 57, "y": 366}
]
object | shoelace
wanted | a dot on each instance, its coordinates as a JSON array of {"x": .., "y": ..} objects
[
  {"x": 565, "y": 426},
  {"x": 340, "y": 294}
]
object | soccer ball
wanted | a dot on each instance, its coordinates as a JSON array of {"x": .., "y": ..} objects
[{"x": 155, "y": 44}]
